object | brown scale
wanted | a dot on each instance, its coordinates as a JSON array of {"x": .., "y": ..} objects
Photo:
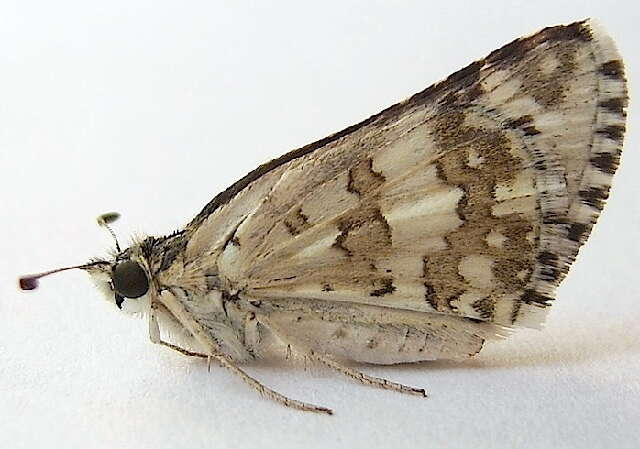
[
  {"x": 444, "y": 283},
  {"x": 365, "y": 233},
  {"x": 297, "y": 222},
  {"x": 548, "y": 89}
]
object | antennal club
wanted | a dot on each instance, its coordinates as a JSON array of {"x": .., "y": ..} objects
[{"x": 104, "y": 220}]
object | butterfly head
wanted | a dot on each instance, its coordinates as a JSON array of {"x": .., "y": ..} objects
[{"x": 123, "y": 281}]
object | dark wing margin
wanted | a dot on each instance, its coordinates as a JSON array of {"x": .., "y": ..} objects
[{"x": 459, "y": 80}]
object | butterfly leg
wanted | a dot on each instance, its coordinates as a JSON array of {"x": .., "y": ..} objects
[
  {"x": 195, "y": 329},
  {"x": 266, "y": 391},
  {"x": 364, "y": 378},
  {"x": 182, "y": 350},
  {"x": 255, "y": 384},
  {"x": 154, "y": 336},
  {"x": 336, "y": 366}
]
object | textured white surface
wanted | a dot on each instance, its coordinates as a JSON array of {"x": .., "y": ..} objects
[{"x": 150, "y": 108}]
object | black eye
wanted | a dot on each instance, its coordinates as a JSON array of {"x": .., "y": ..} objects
[{"x": 130, "y": 280}]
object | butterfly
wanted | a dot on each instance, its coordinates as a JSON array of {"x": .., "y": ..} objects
[{"x": 441, "y": 223}]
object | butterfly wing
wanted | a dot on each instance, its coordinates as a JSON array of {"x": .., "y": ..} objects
[{"x": 470, "y": 198}]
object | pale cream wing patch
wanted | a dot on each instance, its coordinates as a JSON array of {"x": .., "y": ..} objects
[{"x": 471, "y": 198}]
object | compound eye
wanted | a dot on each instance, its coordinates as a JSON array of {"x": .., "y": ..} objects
[{"x": 130, "y": 280}]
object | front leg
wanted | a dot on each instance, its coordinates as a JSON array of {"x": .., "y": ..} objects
[
  {"x": 255, "y": 384},
  {"x": 225, "y": 362},
  {"x": 154, "y": 328},
  {"x": 154, "y": 334}
]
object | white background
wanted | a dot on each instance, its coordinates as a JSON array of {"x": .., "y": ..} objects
[{"x": 152, "y": 107}]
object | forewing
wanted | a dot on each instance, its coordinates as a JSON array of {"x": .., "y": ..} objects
[{"x": 470, "y": 198}]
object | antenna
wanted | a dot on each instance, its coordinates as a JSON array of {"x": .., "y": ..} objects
[
  {"x": 30, "y": 282},
  {"x": 104, "y": 220}
]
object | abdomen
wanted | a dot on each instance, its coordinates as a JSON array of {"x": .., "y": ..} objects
[{"x": 372, "y": 334}]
